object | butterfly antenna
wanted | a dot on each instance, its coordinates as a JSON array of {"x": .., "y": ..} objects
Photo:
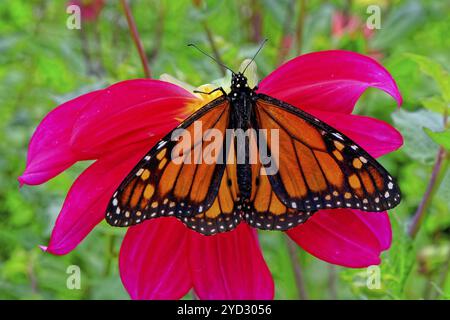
[
  {"x": 217, "y": 61},
  {"x": 253, "y": 59}
]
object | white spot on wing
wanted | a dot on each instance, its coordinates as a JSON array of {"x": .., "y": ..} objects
[
  {"x": 338, "y": 135},
  {"x": 161, "y": 144}
]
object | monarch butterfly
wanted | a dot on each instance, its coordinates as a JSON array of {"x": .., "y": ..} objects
[{"x": 317, "y": 168}]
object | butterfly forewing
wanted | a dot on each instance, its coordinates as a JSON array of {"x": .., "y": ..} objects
[{"x": 320, "y": 167}]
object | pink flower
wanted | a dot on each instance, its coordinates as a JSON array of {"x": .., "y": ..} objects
[
  {"x": 90, "y": 9},
  {"x": 342, "y": 24},
  {"x": 161, "y": 258}
]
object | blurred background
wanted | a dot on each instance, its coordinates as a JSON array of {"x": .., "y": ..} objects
[{"x": 43, "y": 63}]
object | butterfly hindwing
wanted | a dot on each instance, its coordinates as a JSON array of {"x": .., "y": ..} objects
[
  {"x": 320, "y": 167},
  {"x": 265, "y": 210},
  {"x": 226, "y": 211}
]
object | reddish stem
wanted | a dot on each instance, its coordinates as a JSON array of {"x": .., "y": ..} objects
[
  {"x": 292, "y": 249},
  {"x": 136, "y": 38},
  {"x": 256, "y": 22},
  {"x": 420, "y": 213}
]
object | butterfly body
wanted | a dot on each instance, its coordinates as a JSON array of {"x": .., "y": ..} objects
[
  {"x": 315, "y": 167},
  {"x": 242, "y": 102}
]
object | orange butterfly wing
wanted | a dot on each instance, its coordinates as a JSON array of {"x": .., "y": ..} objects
[
  {"x": 319, "y": 167},
  {"x": 159, "y": 186},
  {"x": 264, "y": 208}
]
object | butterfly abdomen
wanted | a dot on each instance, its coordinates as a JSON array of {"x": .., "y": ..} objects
[{"x": 244, "y": 177}]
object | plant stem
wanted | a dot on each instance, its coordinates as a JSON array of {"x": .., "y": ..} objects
[
  {"x": 428, "y": 288},
  {"x": 432, "y": 186},
  {"x": 256, "y": 22},
  {"x": 86, "y": 52},
  {"x": 100, "y": 68},
  {"x": 292, "y": 249},
  {"x": 214, "y": 49},
  {"x": 110, "y": 256},
  {"x": 347, "y": 9},
  {"x": 332, "y": 282},
  {"x": 300, "y": 25},
  {"x": 158, "y": 32},
  {"x": 136, "y": 38},
  {"x": 444, "y": 274},
  {"x": 31, "y": 275},
  {"x": 420, "y": 213}
]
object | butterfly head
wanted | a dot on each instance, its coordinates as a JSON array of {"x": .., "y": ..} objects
[{"x": 239, "y": 82}]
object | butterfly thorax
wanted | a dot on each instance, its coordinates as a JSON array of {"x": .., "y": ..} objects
[{"x": 241, "y": 98}]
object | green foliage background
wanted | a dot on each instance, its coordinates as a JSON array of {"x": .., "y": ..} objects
[{"x": 43, "y": 63}]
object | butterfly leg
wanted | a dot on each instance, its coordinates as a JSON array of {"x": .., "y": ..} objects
[{"x": 215, "y": 90}]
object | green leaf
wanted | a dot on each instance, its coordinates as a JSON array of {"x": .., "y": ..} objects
[
  {"x": 418, "y": 145},
  {"x": 442, "y": 138},
  {"x": 401, "y": 21},
  {"x": 436, "y": 104},
  {"x": 398, "y": 266},
  {"x": 251, "y": 73},
  {"x": 435, "y": 71}
]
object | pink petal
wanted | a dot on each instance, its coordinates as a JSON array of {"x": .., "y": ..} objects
[
  {"x": 49, "y": 152},
  {"x": 328, "y": 80},
  {"x": 337, "y": 24},
  {"x": 375, "y": 136},
  {"x": 379, "y": 224},
  {"x": 90, "y": 10},
  {"x": 154, "y": 261},
  {"x": 345, "y": 237},
  {"x": 229, "y": 266},
  {"x": 129, "y": 112},
  {"x": 88, "y": 197},
  {"x": 342, "y": 24}
]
